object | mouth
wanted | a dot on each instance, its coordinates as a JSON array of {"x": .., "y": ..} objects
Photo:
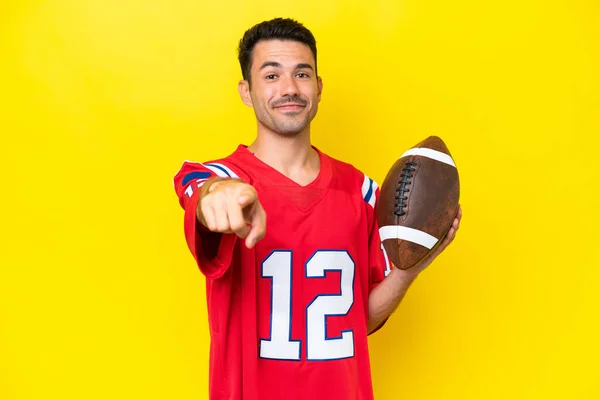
[{"x": 290, "y": 107}]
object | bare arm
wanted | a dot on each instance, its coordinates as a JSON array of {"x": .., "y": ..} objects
[{"x": 386, "y": 297}]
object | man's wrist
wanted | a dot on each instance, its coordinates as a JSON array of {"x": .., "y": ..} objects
[{"x": 405, "y": 277}]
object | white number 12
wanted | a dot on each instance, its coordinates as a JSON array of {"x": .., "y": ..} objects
[{"x": 278, "y": 267}]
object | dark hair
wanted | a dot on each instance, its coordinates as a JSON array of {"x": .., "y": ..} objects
[{"x": 278, "y": 29}]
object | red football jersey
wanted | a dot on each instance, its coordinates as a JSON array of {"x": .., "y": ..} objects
[{"x": 288, "y": 318}]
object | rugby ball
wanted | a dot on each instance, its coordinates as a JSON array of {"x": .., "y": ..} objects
[{"x": 418, "y": 202}]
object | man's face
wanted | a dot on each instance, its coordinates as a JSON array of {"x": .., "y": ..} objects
[{"x": 285, "y": 90}]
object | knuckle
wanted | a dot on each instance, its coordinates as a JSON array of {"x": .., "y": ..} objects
[
  {"x": 237, "y": 226},
  {"x": 222, "y": 223},
  {"x": 205, "y": 201}
]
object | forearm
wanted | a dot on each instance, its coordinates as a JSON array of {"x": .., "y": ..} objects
[{"x": 386, "y": 297}]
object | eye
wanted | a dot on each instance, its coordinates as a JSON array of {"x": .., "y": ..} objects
[
  {"x": 271, "y": 76},
  {"x": 302, "y": 75}
]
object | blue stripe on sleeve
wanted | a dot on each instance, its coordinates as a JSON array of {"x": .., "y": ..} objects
[
  {"x": 194, "y": 175},
  {"x": 370, "y": 192}
]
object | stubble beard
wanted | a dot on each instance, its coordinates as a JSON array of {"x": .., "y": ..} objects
[{"x": 284, "y": 126}]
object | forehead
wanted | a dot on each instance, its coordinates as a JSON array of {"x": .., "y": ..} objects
[{"x": 288, "y": 53}]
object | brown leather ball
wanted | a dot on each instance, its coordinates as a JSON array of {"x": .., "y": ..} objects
[{"x": 418, "y": 202}]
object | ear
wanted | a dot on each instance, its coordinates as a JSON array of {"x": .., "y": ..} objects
[
  {"x": 320, "y": 88},
  {"x": 244, "y": 91}
]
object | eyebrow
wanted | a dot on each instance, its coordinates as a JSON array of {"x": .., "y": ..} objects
[{"x": 278, "y": 65}]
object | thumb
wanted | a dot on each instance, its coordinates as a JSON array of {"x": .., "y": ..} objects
[{"x": 246, "y": 197}]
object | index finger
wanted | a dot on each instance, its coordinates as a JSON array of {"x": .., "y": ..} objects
[{"x": 258, "y": 220}]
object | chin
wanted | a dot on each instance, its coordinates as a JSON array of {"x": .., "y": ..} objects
[
  {"x": 288, "y": 132},
  {"x": 291, "y": 129},
  {"x": 288, "y": 128}
]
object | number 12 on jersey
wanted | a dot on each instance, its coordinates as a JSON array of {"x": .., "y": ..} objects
[{"x": 278, "y": 267}]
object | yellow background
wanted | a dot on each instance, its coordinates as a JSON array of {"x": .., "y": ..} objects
[{"x": 103, "y": 100}]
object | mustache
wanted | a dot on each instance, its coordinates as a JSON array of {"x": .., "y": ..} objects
[{"x": 289, "y": 99}]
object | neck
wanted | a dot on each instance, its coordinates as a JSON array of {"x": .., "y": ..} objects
[{"x": 293, "y": 156}]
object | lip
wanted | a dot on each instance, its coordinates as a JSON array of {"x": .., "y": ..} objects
[{"x": 290, "y": 106}]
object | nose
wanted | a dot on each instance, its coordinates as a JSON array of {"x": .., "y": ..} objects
[{"x": 289, "y": 87}]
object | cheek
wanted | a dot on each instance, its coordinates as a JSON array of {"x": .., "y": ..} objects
[
  {"x": 311, "y": 91},
  {"x": 265, "y": 97},
  {"x": 270, "y": 94}
]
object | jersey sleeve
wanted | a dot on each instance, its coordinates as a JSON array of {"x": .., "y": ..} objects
[
  {"x": 379, "y": 265},
  {"x": 212, "y": 251}
]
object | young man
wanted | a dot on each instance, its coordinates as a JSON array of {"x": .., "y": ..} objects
[{"x": 288, "y": 241}]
